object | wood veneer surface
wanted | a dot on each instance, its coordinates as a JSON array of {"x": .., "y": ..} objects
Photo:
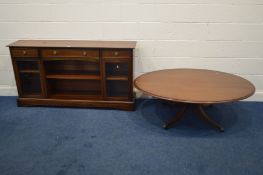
[
  {"x": 74, "y": 44},
  {"x": 195, "y": 86}
]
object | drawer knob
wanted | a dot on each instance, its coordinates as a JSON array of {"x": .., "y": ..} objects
[
  {"x": 24, "y": 52},
  {"x": 116, "y": 53},
  {"x": 117, "y": 67},
  {"x": 54, "y": 52},
  {"x": 84, "y": 53}
]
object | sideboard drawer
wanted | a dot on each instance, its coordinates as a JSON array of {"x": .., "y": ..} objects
[
  {"x": 89, "y": 53},
  {"x": 24, "y": 52},
  {"x": 116, "y": 53}
]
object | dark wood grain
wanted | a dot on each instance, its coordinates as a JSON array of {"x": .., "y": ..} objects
[
  {"x": 73, "y": 73},
  {"x": 116, "y": 53},
  {"x": 24, "y": 52}
]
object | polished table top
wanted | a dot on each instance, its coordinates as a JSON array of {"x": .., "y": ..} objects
[{"x": 194, "y": 86}]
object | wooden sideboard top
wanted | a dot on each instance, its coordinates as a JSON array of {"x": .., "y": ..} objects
[{"x": 74, "y": 44}]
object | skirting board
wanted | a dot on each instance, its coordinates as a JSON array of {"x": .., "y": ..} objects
[
  {"x": 8, "y": 90},
  {"x": 11, "y": 91}
]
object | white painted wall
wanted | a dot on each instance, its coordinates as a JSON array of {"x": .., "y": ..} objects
[{"x": 225, "y": 35}]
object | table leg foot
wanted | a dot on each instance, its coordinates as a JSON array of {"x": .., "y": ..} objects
[
  {"x": 178, "y": 116},
  {"x": 206, "y": 118}
]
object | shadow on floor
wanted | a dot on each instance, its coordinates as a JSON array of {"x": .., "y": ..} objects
[{"x": 154, "y": 113}]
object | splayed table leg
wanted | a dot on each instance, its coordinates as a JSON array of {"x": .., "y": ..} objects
[
  {"x": 178, "y": 116},
  {"x": 206, "y": 118}
]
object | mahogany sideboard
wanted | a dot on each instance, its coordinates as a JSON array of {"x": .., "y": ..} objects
[{"x": 74, "y": 73}]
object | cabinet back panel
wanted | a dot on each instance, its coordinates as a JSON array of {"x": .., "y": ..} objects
[
  {"x": 72, "y": 67},
  {"x": 74, "y": 85}
]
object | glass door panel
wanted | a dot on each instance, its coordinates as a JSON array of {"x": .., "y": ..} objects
[
  {"x": 117, "y": 79},
  {"x": 29, "y": 76},
  {"x": 30, "y": 83},
  {"x": 117, "y": 88},
  {"x": 117, "y": 69}
]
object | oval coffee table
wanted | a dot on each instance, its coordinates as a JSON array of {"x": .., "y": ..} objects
[{"x": 194, "y": 86}]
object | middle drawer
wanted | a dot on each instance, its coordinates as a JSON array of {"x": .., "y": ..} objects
[{"x": 69, "y": 53}]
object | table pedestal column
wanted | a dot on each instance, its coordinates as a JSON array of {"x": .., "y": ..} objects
[{"x": 201, "y": 112}]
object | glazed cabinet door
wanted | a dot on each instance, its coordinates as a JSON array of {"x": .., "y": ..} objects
[
  {"x": 117, "y": 65},
  {"x": 28, "y": 77}
]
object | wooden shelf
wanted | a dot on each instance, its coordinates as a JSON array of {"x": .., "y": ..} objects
[
  {"x": 117, "y": 78},
  {"x": 119, "y": 98},
  {"x": 29, "y": 71},
  {"x": 75, "y": 77},
  {"x": 32, "y": 95},
  {"x": 75, "y": 95}
]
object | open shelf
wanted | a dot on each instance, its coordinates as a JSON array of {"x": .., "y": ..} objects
[
  {"x": 32, "y": 95},
  {"x": 72, "y": 67},
  {"x": 74, "y": 77},
  {"x": 79, "y": 95},
  {"x": 117, "y": 88},
  {"x": 74, "y": 89}
]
